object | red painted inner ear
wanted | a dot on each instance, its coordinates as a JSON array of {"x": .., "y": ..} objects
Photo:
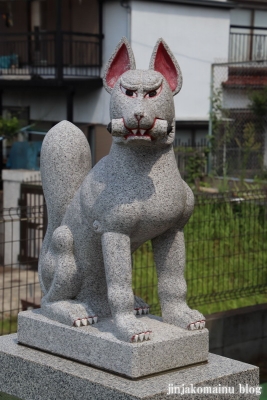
[
  {"x": 164, "y": 65},
  {"x": 120, "y": 64}
]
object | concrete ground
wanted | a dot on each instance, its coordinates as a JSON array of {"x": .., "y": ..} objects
[{"x": 17, "y": 284}]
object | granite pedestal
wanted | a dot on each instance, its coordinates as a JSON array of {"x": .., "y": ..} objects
[
  {"x": 31, "y": 374},
  {"x": 96, "y": 345}
]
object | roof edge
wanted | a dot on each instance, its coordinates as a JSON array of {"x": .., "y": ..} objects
[{"x": 198, "y": 3}]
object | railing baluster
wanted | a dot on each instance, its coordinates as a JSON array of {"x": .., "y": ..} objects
[
  {"x": 37, "y": 53},
  {"x": 247, "y": 47}
]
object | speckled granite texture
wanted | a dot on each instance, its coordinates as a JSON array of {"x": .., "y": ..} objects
[
  {"x": 98, "y": 217},
  {"x": 97, "y": 344},
  {"x": 34, "y": 375}
]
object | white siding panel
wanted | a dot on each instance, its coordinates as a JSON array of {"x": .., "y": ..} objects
[{"x": 197, "y": 36}]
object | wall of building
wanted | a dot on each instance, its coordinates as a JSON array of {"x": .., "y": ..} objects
[
  {"x": 248, "y": 17},
  {"x": 103, "y": 141},
  {"x": 198, "y": 36},
  {"x": 76, "y": 16},
  {"x": 19, "y": 13}
]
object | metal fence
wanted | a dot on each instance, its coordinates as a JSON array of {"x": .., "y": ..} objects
[
  {"x": 192, "y": 161},
  {"x": 238, "y": 123},
  {"x": 226, "y": 251},
  {"x": 19, "y": 285}
]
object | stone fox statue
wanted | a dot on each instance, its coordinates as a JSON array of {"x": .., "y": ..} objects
[{"x": 97, "y": 218}]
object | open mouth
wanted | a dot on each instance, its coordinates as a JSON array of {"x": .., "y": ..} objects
[{"x": 140, "y": 133}]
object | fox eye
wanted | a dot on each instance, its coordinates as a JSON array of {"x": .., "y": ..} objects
[
  {"x": 128, "y": 92},
  {"x": 153, "y": 93}
]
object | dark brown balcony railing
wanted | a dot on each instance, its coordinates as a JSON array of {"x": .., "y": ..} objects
[
  {"x": 247, "y": 44},
  {"x": 50, "y": 55}
]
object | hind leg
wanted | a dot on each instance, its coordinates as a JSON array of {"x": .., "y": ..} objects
[
  {"x": 57, "y": 303},
  {"x": 69, "y": 312},
  {"x": 67, "y": 280}
]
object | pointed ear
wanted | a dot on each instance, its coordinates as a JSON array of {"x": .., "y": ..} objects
[
  {"x": 121, "y": 61},
  {"x": 163, "y": 61}
]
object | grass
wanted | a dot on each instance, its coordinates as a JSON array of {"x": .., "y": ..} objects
[
  {"x": 264, "y": 392},
  {"x": 4, "y": 396},
  {"x": 226, "y": 253},
  {"x": 8, "y": 325}
]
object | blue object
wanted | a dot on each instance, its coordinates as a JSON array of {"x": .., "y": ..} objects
[
  {"x": 7, "y": 61},
  {"x": 24, "y": 155}
]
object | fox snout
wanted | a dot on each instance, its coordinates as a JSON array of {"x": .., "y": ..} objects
[{"x": 158, "y": 130}]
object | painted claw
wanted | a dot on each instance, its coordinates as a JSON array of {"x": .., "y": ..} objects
[
  {"x": 203, "y": 323},
  {"x": 139, "y": 311},
  {"x": 135, "y": 338},
  {"x": 90, "y": 320},
  {"x": 95, "y": 319},
  {"x": 77, "y": 323},
  {"x": 141, "y": 336},
  {"x": 147, "y": 335},
  {"x": 84, "y": 321},
  {"x": 135, "y": 311},
  {"x": 191, "y": 327},
  {"x": 197, "y": 325}
]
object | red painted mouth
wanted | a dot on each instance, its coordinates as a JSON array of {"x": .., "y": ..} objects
[{"x": 142, "y": 133}]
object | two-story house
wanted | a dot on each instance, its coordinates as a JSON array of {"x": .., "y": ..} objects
[{"x": 52, "y": 54}]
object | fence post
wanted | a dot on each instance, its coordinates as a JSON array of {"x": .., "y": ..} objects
[{"x": 210, "y": 122}]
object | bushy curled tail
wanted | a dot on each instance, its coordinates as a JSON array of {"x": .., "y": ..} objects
[{"x": 65, "y": 161}]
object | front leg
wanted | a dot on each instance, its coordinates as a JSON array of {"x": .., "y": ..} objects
[
  {"x": 169, "y": 254},
  {"x": 118, "y": 266}
]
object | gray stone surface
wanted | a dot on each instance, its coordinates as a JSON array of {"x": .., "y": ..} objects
[
  {"x": 97, "y": 219},
  {"x": 97, "y": 344},
  {"x": 34, "y": 375}
]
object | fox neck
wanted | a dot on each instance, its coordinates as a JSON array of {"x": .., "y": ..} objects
[{"x": 130, "y": 158}]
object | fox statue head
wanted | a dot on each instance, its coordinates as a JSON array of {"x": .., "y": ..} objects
[{"x": 141, "y": 105}]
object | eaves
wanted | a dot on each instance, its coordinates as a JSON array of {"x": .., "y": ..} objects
[{"x": 198, "y": 3}]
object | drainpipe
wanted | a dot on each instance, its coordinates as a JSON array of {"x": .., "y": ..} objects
[
  {"x": 35, "y": 14},
  {"x": 126, "y": 5},
  {"x": 59, "y": 44},
  {"x": 251, "y": 36}
]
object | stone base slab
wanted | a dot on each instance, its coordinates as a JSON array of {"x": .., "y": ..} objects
[
  {"x": 96, "y": 345},
  {"x": 31, "y": 374}
]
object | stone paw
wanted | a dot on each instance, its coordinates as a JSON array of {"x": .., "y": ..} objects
[
  {"x": 196, "y": 325},
  {"x": 141, "y": 337},
  {"x": 140, "y": 310},
  {"x": 184, "y": 317},
  {"x": 85, "y": 321},
  {"x": 131, "y": 329}
]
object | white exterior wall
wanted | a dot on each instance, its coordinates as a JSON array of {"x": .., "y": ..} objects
[
  {"x": 198, "y": 36},
  {"x": 44, "y": 106}
]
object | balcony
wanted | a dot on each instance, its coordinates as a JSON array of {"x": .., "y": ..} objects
[
  {"x": 50, "y": 57},
  {"x": 247, "y": 44}
]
